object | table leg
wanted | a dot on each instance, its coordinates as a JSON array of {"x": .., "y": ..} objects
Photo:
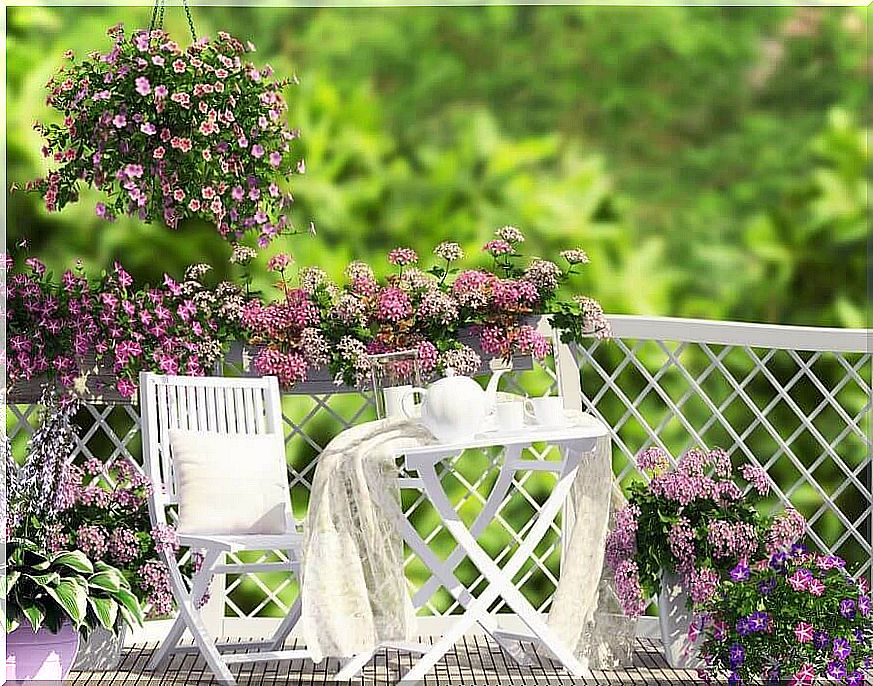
[
  {"x": 458, "y": 591},
  {"x": 500, "y": 579},
  {"x": 483, "y": 519}
]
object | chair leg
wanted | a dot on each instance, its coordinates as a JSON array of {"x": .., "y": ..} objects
[
  {"x": 189, "y": 615},
  {"x": 198, "y": 585},
  {"x": 277, "y": 640},
  {"x": 352, "y": 666},
  {"x": 287, "y": 625}
]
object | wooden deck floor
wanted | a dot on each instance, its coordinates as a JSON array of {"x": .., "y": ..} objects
[{"x": 474, "y": 661}]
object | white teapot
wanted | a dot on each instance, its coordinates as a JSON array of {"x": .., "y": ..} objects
[{"x": 454, "y": 407}]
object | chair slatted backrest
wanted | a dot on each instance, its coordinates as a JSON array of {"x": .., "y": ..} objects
[{"x": 233, "y": 406}]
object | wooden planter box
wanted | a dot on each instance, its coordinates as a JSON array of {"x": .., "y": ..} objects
[
  {"x": 96, "y": 383},
  {"x": 240, "y": 361}
]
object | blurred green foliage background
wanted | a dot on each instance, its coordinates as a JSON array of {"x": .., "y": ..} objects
[{"x": 712, "y": 161}]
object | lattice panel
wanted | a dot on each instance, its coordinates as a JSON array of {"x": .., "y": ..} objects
[
  {"x": 803, "y": 416},
  {"x": 111, "y": 432}
]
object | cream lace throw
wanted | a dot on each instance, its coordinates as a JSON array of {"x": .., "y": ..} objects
[{"x": 354, "y": 592}]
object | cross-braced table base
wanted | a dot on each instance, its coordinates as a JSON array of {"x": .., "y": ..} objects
[{"x": 573, "y": 443}]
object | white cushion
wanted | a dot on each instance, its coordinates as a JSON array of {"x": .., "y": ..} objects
[{"x": 230, "y": 483}]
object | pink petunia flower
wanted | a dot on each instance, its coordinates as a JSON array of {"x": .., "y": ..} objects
[
  {"x": 257, "y": 150},
  {"x": 816, "y": 587},
  {"x": 159, "y": 152},
  {"x": 275, "y": 158},
  {"x": 119, "y": 121},
  {"x": 803, "y": 632},
  {"x": 143, "y": 87},
  {"x": 161, "y": 91}
]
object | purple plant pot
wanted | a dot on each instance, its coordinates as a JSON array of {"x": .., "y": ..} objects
[{"x": 41, "y": 656}]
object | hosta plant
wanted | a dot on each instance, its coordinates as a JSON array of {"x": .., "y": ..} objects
[
  {"x": 50, "y": 589},
  {"x": 169, "y": 134},
  {"x": 791, "y": 618}
]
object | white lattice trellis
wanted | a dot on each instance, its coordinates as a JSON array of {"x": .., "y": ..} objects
[{"x": 794, "y": 400}]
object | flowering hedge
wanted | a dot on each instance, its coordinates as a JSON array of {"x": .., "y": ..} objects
[
  {"x": 320, "y": 323},
  {"x": 59, "y": 329},
  {"x": 791, "y": 618},
  {"x": 169, "y": 134},
  {"x": 693, "y": 520}
]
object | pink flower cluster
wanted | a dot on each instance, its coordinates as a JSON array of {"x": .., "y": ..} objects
[
  {"x": 757, "y": 477},
  {"x": 155, "y": 580},
  {"x": 393, "y": 305},
  {"x": 786, "y": 529},
  {"x": 732, "y": 540},
  {"x": 59, "y": 329},
  {"x": 690, "y": 480},
  {"x": 621, "y": 542},
  {"x": 289, "y": 367},
  {"x": 173, "y": 134},
  {"x": 628, "y": 589},
  {"x": 501, "y": 342},
  {"x": 402, "y": 257}
]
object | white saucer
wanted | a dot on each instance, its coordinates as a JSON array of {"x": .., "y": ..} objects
[{"x": 528, "y": 429}]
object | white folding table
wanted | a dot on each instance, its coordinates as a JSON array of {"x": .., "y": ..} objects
[{"x": 422, "y": 463}]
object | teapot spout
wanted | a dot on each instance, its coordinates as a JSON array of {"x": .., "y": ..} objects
[{"x": 493, "y": 383}]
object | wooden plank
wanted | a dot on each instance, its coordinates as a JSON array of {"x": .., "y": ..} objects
[{"x": 476, "y": 660}]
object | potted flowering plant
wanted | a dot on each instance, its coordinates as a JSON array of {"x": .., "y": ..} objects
[
  {"x": 793, "y": 617},
  {"x": 94, "y": 336},
  {"x": 52, "y": 594},
  {"x": 169, "y": 134},
  {"x": 105, "y": 515},
  {"x": 681, "y": 532},
  {"x": 451, "y": 317}
]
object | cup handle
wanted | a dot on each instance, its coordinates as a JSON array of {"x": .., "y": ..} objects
[
  {"x": 410, "y": 395},
  {"x": 528, "y": 409}
]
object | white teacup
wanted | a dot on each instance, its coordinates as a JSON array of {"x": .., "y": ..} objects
[
  {"x": 548, "y": 411},
  {"x": 510, "y": 415},
  {"x": 392, "y": 397}
]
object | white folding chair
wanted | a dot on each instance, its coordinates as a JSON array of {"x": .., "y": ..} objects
[{"x": 233, "y": 406}]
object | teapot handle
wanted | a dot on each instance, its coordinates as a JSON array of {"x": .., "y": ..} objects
[{"x": 410, "y": 395}]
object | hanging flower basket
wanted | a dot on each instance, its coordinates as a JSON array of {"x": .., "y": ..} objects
[{"x": 170, "y": 134}]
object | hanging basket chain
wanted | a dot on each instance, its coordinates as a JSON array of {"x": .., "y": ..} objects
[
  {"x": 190, "y": 20},
  {"x": 157, "y": 21}
]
